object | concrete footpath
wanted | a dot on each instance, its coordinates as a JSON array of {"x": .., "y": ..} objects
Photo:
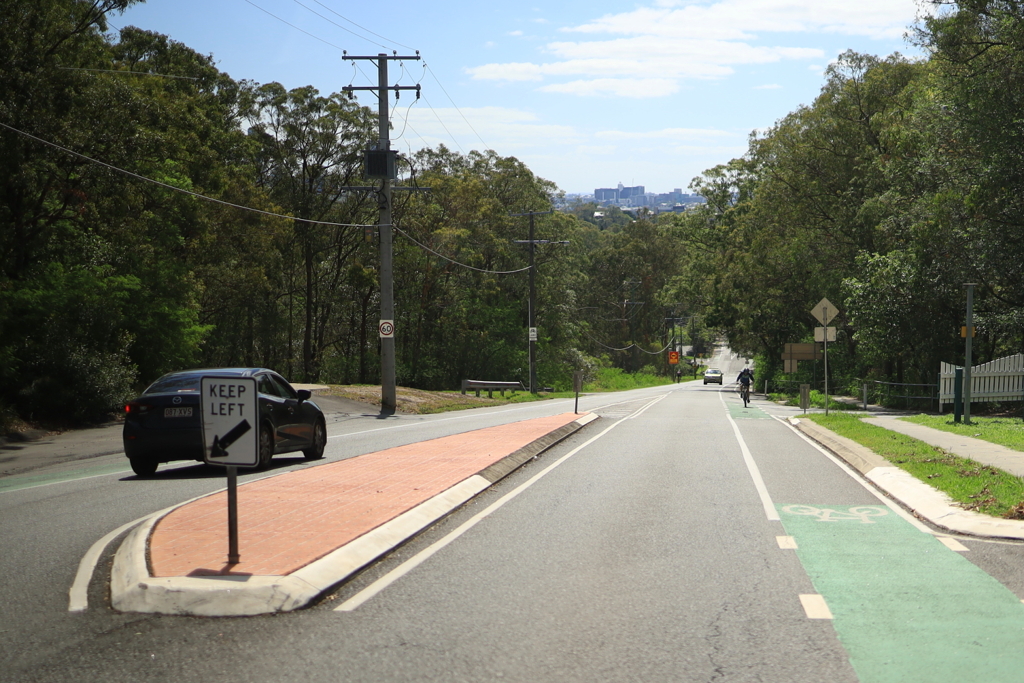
[
  {"x": 923, "y": 500},
  {"x": 303, "y": 532}
]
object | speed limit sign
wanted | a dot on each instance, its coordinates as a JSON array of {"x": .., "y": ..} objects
[{"x": 387, "y": 329}]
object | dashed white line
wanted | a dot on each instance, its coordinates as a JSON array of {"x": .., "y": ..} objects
[
  {"x": 786, "y": 542},
  {"x": 952, "y": 544},
  {"x": 815, "y": 606}
]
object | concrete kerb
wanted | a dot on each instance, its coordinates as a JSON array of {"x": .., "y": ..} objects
[
  {"x": 133, "y": 589},
  {"x": 920, "y": 498}
]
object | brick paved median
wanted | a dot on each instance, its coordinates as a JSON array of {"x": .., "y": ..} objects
[{"x": 287, "y": 521}]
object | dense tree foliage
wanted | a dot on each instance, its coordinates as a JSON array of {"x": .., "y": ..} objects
[
  {"x": 900, "y": 183},
  {"x": 156, "y": 214}
]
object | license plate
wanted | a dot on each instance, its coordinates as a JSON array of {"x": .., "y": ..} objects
[{"x": 178, "y": 412}]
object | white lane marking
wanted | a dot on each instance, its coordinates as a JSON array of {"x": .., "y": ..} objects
[
  {"x": 78, "y": 595},
  {"x": 666, "y": 388},
  {"x": 643, "y": 409},
  {"x": 89, "y": 476},
  {"x": 762, "y": 491},
  {"x": 786, "y": 542},
  {"x": 952, "y": 544},
  {"x": 398, "y": 572},
  {"x": 855, "y": 476},
  {"x": 815, "y": 606}
]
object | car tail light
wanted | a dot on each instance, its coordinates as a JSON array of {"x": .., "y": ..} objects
[{"x": 136, "y": 408}]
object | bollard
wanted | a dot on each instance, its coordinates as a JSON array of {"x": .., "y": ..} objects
[{"x": 958, "y": 395}]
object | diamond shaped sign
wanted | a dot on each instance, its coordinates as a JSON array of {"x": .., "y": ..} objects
[{"x": 824, "y": 311}]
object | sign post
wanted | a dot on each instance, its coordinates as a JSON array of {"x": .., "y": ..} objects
[
  {"x": 230, "y": 437},
  {"x": 824, "y": 312},
  {"x": 577, "y": 386}
]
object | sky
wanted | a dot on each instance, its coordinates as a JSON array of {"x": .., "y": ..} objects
[{"x": 587, "y": 94}]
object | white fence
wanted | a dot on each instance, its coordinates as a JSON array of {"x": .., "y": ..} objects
[{"x": 1000, "y": 380}]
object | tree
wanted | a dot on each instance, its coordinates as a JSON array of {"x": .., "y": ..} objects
[{"x": 309, "y": 153}]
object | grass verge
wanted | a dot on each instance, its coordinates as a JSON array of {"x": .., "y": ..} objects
[
  {"x": 970, "y": 484},
  {"x": 1004, "y": 431},
  {"x": 817, "y": 401},
  {"x": 420, "y": 402}
]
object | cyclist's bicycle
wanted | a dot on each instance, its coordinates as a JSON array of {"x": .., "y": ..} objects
[{"x": 745, "y": 393}]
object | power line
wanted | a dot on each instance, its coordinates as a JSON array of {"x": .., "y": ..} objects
[
  {"x": 463, "y": 265},
  {"x": 126, "y": 73},
  {"x": 426, "y": 67},
  {"x": 306, "y": 7},
  {"x": 294, "y": 26},
  {"x": 394, "y": 42},
  {"x": 178, "y": 189},
  {"x": 438, "y": 117},
  {"x": 631, "y": 346}
]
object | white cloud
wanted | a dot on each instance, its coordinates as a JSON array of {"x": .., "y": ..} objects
[
  {"x": 620, "y": 87},
  {"x": 675, "y": 40},
  {"x": 515, "y": 33},
  {"x": 665, "y": 134},
  {"x": 741, "y": 19},
  {"x": 515, "y": 71},
  {"x": 510, "y": 131}
]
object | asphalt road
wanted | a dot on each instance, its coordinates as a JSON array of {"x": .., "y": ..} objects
[{"x": 654, "y": 545}]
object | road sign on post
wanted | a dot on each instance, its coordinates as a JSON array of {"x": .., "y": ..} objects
[
  {"x": 824, "y": 312},
  {"x": 673, "y": 358},
  {"x": 231, "y": 427},
  {"x": 230, "y": 421},
  {"x": 822, "y": 334}
]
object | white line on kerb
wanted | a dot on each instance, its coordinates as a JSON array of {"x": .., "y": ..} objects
[
  {"x": 401, "y": 570},
  {"x": 762, "y": 491},
  {"x": 78, "y": 595}
]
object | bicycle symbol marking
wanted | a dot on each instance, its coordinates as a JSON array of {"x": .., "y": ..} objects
[{"x": 862, "y": 513}]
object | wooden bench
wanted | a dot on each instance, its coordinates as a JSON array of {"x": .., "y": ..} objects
[{"x": 477, "y": 385}]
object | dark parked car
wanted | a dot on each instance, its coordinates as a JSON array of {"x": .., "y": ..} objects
[{"x": 165, "y": 424}]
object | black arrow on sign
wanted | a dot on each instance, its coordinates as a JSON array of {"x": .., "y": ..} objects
[{"x": 218, "y": 449}]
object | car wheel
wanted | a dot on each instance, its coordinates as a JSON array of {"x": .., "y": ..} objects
[
  {"x": 266, "y": 448},
  {"x": 143, "y": 467},
  {"x": 705, "y": 382},
  {"x": 316, "y": 451}
]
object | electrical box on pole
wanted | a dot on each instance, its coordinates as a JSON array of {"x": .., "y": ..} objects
[{"x": 381, "y": 163}]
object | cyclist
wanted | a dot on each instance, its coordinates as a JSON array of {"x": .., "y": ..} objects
[{"x": 746, "y": 380}]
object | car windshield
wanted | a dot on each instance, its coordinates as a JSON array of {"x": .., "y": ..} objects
[{"x": 174, "y": 384}]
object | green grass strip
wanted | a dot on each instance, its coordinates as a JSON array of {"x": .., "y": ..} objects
[
  {"x": 972, "y": 485},
  {"x": 1004, "y": 431}
]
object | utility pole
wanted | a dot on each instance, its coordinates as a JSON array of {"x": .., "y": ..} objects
[
  {"x": 383, "y": 158},
  {"x": 531, "y": 323}
]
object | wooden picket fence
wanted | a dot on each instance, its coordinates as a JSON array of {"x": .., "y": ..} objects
[{"x": 1000, "y": 380}]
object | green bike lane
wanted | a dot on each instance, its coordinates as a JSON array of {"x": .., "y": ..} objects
[{"x": 904, "y": 606}]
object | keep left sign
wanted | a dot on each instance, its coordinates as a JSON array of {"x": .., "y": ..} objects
[{"x": 230, "y": 407}]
